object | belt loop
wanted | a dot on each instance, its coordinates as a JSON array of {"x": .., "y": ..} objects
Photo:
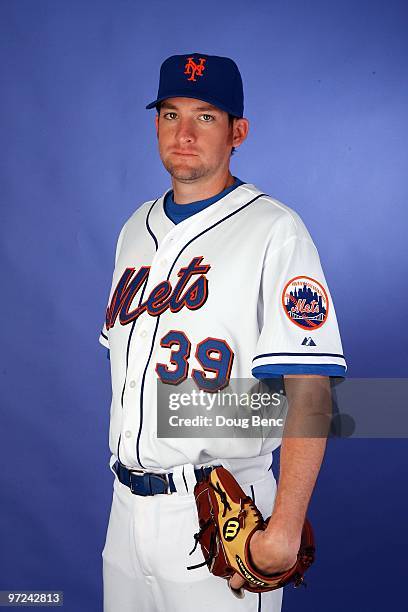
[
  {"x": 184, "y": 478},
  {"x": 189, "y": 477}
]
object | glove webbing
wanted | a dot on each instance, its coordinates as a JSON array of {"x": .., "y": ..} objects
[{"x": 205, "y": 526}]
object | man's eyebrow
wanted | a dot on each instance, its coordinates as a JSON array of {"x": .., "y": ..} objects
[{"x": 208, "y": 107}]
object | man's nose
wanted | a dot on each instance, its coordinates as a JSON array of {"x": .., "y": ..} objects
[{"x": 185, "y": 131}]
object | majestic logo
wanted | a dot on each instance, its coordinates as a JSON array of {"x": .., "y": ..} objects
[
  {"x": 162, "y": 296},
  {"x": 305, "y": 302},
  {"x": 194, "y": 69},
  {"x": 231, "y": 529},
  {"x": 308, "y": 342}
]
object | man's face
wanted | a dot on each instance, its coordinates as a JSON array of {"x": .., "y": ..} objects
[{"x": 195, "y": 138}]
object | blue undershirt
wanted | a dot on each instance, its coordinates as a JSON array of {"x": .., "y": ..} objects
[{"x": 179, "y": 212}]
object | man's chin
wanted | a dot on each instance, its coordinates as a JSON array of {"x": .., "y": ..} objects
[{"x": 181, "y": 173}]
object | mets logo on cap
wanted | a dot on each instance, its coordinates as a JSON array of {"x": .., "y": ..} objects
[
  {"x": 194, "y": 69},
  {"x": 305, "y": 302}
]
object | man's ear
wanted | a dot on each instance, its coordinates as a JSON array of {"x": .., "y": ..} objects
[
  {"x": 240, "y": 131},
  {"x": 156, "y": 120}
]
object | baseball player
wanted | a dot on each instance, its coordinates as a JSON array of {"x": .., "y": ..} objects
[{"x": 214, "y": 280}]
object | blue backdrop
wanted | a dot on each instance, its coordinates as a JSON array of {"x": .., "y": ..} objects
[{"x": 326, "y": 95}]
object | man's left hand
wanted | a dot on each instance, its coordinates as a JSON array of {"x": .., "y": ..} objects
[{"x": 271, "y": 552}]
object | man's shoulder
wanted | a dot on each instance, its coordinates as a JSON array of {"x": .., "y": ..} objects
[
  {"x": 279, "y": 217},
  {"x": 143, "y": 209},
  {"x": 140, "y": 214}
]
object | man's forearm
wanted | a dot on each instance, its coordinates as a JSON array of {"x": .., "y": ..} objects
[
  {"x": 302, "y": 452},
  {"x": 303, "y": 445},
  {"x": 300, "y": 463}
]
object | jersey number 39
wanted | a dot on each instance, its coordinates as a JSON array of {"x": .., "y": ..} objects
[{"x": 213, "y": 354}]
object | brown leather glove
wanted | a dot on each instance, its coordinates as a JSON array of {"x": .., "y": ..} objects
[{"x": 227, "y": 519}]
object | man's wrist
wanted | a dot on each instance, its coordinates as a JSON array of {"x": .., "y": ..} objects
[{"x": 287, "y": 531}]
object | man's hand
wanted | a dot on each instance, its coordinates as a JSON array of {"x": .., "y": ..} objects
[
  {"x": 271, "y": 552},
  {"x": 235, "y": 538}
]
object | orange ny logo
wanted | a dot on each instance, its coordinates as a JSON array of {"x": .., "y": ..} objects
[{"x": 192, "y": 68}]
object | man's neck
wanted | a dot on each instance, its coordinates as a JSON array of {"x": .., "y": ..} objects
[{"x": 185, "y": 193}]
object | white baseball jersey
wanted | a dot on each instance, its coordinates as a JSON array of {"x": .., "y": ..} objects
[{"x": 234, "y": 291}]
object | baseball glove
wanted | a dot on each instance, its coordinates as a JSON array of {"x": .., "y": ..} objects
[{"x": 227, "y": 519}]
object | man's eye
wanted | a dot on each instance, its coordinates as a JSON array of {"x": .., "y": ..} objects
[
  {"x": 208, "y": 118},
  {"x": 167, "y": 115}
]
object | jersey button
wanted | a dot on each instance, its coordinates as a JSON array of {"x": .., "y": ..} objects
[
  {"x": 132, "y": 384},
  {"x": 163, "y": 262},
  {"x": 143, "y": 334},
  {"x": 128, "y": 434}
]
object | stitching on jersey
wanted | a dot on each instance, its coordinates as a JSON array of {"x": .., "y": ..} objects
[
  {"x": 134, "y": 322},
  {"x": 298, "y": 355},
  {"x": 148, "y": 225},
  {"x": 284, "y": 209},
  {"x": 301, "y": 239},
  {"x": 158, "y": 318}
]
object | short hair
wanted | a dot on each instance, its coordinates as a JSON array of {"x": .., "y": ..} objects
[{"x": 230, "y": 122}]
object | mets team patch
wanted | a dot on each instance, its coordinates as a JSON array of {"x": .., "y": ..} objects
[{"x": 305, "y": 302}]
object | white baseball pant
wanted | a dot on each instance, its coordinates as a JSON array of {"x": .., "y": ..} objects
[{"x": 147, "y": 547}]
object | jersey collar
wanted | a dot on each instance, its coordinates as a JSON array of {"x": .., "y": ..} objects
[{"x": 160, "y": 226}]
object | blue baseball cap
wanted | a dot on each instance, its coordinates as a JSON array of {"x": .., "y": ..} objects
[{"x": 211, "y": 78}]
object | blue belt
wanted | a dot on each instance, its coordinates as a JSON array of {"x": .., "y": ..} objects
[{"x": 149, "y": 483}]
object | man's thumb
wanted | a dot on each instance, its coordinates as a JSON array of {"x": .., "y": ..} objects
[{"x": 235, "y": 583}]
